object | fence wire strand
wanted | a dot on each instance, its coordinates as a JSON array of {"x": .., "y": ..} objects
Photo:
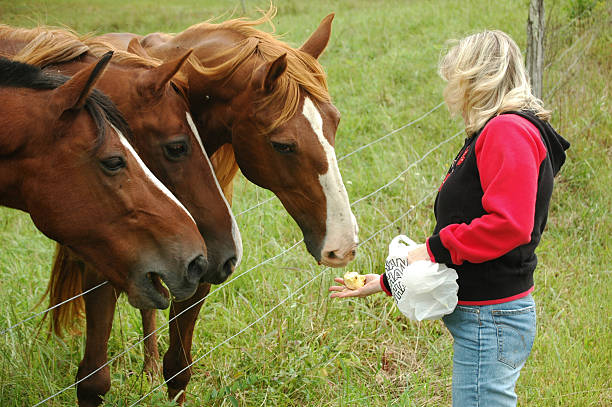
[
  {"x": 50, "y": 308},
  {"x": 392, "y": 132},
  {"x": 406, "y": 170}
]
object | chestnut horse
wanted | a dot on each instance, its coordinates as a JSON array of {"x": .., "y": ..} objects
[
  {"x": 151, "y": 98},
  {"x": 65, "y": 160},
  {"x": 264, "y": 106}
]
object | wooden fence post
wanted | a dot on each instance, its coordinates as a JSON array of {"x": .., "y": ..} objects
[{"x": 535, "y": 45}]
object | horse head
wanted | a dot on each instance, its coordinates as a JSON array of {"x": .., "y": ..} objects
[
  {"x": 273, "y": 102},
  {"x": 84, "y": 186}
]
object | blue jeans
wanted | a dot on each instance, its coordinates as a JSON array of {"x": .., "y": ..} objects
[{"x": 491, "y": 345}]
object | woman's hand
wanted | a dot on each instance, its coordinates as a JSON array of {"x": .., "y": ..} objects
[
  {"x": 420, "y": 253},
  {"x": 372, "y": 286}
]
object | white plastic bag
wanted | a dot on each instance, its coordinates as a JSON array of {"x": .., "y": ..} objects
[{"x": 423, "y": 289}]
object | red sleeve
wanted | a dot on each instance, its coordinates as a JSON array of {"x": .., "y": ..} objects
[{"x": 509, "y": 152}]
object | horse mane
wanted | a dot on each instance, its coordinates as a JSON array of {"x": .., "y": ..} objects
[
  {"x": 303, "y": 71},
  {"x": 52, "y": 45},
  {"x": 99, "y": 47},
  {"x": 226, "y": 167},
  {"x": 101, "y": 109},
  {"x": 44, "y": 45}
]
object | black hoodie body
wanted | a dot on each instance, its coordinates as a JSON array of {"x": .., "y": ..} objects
[{"x": 459, "y": 202}]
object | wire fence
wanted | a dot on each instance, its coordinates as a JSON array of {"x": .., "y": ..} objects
[
  {"x": 251, "y": 208},
  {"x": 280, "y": 254},
  {"x": 264, "y": 315}
]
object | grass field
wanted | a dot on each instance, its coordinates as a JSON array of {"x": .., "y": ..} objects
[{"x": 293, "y": 345}]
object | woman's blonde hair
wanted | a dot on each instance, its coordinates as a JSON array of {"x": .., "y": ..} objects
[{"x": 486, "y": 77}]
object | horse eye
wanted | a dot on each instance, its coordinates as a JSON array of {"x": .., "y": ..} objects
[
  {"x": 112, "y": 165},
  {"x": 283, "y": 148},
  {"x": 176, "y": 150}
]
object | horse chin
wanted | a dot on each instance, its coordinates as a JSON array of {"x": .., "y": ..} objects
[
  {"x": 334, "y": 259},
  {"x": 219, "y": 271},
  {"x": 215, "y": 277},
  {"x": 336, "y": 263},
  {"x": 149, "y": 292}
]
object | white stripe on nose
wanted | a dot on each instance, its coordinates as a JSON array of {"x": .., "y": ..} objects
[
  {"x": 235, "y": 231},
  {"x": 341, "y": 228},
  {"x": 149, "y": 174}
]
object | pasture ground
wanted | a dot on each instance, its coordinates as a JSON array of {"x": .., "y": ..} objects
[{"x": 307, "y": 350}]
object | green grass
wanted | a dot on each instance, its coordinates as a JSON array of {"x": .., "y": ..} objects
[{"x": 309, "y": 350}]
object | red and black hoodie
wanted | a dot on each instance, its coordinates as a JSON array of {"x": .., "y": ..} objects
[{"x": 492, "y": 207}]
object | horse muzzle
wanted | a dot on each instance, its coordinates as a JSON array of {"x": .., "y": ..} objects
[
  {"x": 220, "y": 271},
  {"x": 154, "y": 289},
  {"x": 338, "y": 258}
]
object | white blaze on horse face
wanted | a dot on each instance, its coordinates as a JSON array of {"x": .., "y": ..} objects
[
  {"x": 235, "y": 230},
  {"x": 149, "y": 174},
  {"x": 340, "y": 224}
]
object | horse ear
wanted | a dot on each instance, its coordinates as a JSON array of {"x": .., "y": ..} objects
[
  {"x": 154, "y": 80},
  {"x": 266, "y": 75},
  {"x": 73, "y": 94},
  {"x": 317, "y": 42},
  {"x": 135, "y": 47}
]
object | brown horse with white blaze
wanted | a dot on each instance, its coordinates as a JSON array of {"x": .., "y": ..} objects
[
  {"x": 264, "y": 106},
  {"x": 65, "y": 160}
]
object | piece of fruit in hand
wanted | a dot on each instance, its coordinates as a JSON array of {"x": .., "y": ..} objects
[{"x": 353, "y": 280}]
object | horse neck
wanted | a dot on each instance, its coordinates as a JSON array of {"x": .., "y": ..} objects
[{"x": 18, "y": 147}]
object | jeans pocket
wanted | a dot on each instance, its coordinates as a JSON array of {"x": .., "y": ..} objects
[{"x": 515, "y": 334}]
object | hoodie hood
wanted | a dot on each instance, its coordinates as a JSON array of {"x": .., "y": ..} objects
[{"x": 555, "y": 144}]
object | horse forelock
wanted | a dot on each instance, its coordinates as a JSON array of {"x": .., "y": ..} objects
[
  {"x": 304, "y": 75},
  {"x": 103, "y": 112}
]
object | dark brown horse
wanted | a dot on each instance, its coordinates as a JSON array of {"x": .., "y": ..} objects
[
  {"x": 65, "y": 160},
  {"x": 265, "y": 107},
  {"x": 151, "y": 98}
]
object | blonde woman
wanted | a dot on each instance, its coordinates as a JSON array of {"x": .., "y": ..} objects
[{"x": 490, "y": 212}]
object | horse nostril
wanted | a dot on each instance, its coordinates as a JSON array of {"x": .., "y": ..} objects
[
  {"x": 330, "y": 255},
  {"x": 229, "y": 265},
  {"x": 196, "y": 268}
]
